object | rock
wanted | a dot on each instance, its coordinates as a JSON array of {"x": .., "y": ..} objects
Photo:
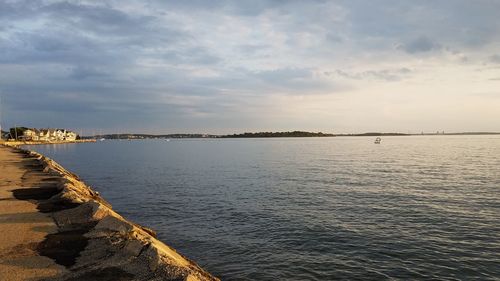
[
  {"x": 192, "y": 277},
  {"x": 87, "y": 213},
  {"x": 134, "y": 247},
  {"x": 114, "y": 224},
  {"x": 152, "y": 256}
]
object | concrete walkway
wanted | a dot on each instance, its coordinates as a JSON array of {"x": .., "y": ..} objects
[{"x": 22, "y": 226}]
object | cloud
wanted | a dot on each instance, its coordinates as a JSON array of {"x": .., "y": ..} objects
[
  {"x": 185, "y": 62},
  {"x": 284, "y": 74},
  {"x": 421, "y": 44},
  {"x": 84, "y": 72},
  {"x": 383, "y": 74},
  {"x": 494, "y": 59},
  {"x": 195, "y": 55},
  {"x": 252, "y": 49},
  {"x": 100, "y": 19}
]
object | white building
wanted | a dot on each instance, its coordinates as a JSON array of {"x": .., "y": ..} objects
[{"x": 48, "y": 135}]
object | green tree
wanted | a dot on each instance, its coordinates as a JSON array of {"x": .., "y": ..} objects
[{"x": 17, "y": 132}]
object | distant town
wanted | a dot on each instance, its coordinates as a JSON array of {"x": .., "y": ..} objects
[{"x": 40, "y": 135}]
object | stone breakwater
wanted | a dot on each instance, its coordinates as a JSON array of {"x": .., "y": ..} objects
[{"x": 92, "y": 241}]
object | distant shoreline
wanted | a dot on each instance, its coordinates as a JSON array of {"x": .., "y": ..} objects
[
  {"x": 421, "y": 134},
  {"x": 283, "y": 134},
  {"x": 295, "y": 134}
]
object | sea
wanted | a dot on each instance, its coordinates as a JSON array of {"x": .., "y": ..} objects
[{"x": 339, "y": 208}]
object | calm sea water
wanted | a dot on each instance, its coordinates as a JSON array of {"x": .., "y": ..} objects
[{"x": 410, "y": 208}]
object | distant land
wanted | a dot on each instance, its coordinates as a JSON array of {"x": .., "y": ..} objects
[
  {"x": 151, "y": 136},
  {"x": 243, "y": 135},
  {"x": 289, "y": 134},
  {"x": 293, "y": 134}
]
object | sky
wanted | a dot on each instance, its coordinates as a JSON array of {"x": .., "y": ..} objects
[{"x": 251, "y": 65}]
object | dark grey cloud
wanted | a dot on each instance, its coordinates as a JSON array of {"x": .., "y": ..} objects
[
  {"x": 75, "y": 33},
  {"x": 421, "y": 44},
  {"x": 424, "y": 25},
  {"x": 100, "y": 19},
  {"x": 383, "y": 74},
  {"x": 33, "y": 47},
  {"x": 240, "y": 8},
  {"x": 85, "y": 72},
  {"x": 17, "y": 10},
  {"x": 494, "y": 59},
  {"x": 284, "y": 74},
  {"x": 195, "y": 55},
  {"x": 291, "y": 80},
  {"x": 252, "y": 49},
  {"x": 379, "y": 19}
]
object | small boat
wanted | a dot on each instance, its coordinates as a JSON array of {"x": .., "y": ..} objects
[
  {"x": 378, "y": 140},
  {"x": 102, "y": 139}
]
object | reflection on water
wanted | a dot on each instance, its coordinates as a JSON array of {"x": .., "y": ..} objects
[{"x": 310, "y": 209}]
